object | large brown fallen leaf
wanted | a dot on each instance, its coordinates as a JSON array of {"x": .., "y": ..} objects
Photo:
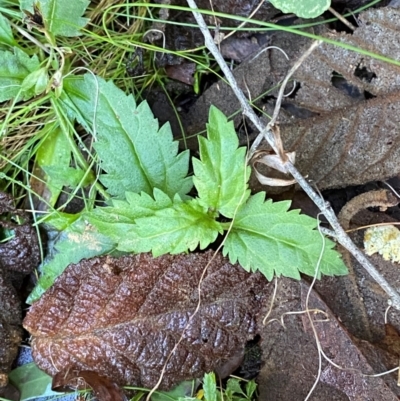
[{"x": 122, "y": 317}]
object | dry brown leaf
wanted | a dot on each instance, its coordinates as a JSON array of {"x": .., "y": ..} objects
[
  {"x": 182, "y": 72},
  {"x": 357, "y": 359},
  {"x": 122, "y": 317},
  {"x": 348, "y": 147},
  {"x": 391, "y": 341},
  {"x": 290, "y": 358},
  {"x": 18, "y": 256},
  {"x": 352, "y": 141},
  {"x": 346, "y": 136},
  {"x": 378, "y": 33}
]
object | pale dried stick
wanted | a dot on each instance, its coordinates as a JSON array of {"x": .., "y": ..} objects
[
  {"x": 342, "y": 19},
  {"x": 270, "y": 125},
  {"x": 325, "y": 208}
]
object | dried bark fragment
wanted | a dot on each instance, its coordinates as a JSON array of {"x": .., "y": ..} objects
[
  {"x": 122, "y": 317},
  {"x": 18, "y": 255}
]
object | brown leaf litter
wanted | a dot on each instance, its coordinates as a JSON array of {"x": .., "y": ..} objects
[
  {"x": 18, "y": 256},
  {"x": 291, "y": 355},
  {"x": 343, "y": 118},
  {"x": 348, "y": 140},
  {"x": 122, "y": 318}
]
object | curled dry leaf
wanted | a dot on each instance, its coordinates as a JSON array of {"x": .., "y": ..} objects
[
  {"x": 123, "y": 317},
  {"x": 275, "y": 162},
  {"x": 18, "y": 256}
]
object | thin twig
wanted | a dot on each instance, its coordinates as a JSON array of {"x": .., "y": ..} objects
[
  {"x": 270, "y": 125},
  {"x": 342, "y": 19},
  {"x": 268, "y": 135}
]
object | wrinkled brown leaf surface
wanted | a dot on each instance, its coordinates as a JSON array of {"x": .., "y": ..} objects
[
  {"x": 122, "y": 317},
  {"x": 291, "y": 357},
  {"x": 358, "y": 359},
  {"x": 18, "y": 256}
]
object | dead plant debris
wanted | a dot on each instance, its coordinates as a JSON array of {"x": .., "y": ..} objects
[
  {"x": 121, "y": 318},
  {"x": 18, "y": 256}
]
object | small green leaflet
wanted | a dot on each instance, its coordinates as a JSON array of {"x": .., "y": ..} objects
[
  {"x": 302, "y": 8},
  {"x": 116, "y": 221},
  {"x": 210, "y": 387},
  {"x": 6, "y": 35},
  {"x": 67, "y": 176},
  {"x": 234, "y": 391},
  {"x": 78, "y": 241},
  {"x": 32, "y": 382},
  {"x": 221, "y": 174},
  {"x": 59, "y": 221},
  {"x": 135, "y": 153},
  {"x": 37, "y": 81},
  {"x": 251, "y": 388},
  {"x": 54, "y": 150},
  {"x": 61, "y": 18},
  {"x": 176, "y": 229},
  {"x": 14, "y": 68},
  {"x": 266, "y": 236},
  {"x": 233, "y": 387}
]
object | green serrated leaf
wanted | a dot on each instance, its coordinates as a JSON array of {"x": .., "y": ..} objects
[
  {"x": 176, "y": 229},
  {"x": 135, "y": 153},
  {"x": 251, "y": 388},
  {"x": 60, "y": 221},
  {"x": 210, "y": 387},
  {"x": 116, "y": 221},
  {"x": 61, "y": 18},
  {"x": 6, "y": 35},
  {"x": 221, "y": 174},
  {"x": 233, "y": 385},
  {"x": 266, "y": 236},
  {"x": 32, "y": 382},
  {"x": 78, "y": 241},
  {"x": 302, "y": 8},
  {"x": 14, "y": 68}
]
